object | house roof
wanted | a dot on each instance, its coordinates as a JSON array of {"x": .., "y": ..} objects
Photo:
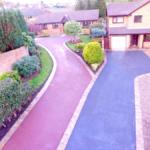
[
  {"x": 27, "y": 12},
  {"x": 72, "y": 15},
  {"x": 125, "y": 31},
  {"x": 124, "y": 8}
]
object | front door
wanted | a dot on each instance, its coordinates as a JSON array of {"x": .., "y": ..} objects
[{"x": 134, "y": 41}]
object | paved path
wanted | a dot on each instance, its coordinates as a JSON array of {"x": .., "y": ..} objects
[
  {"x": 46, "y": 123},
  {"x": 107, "y": 121}
]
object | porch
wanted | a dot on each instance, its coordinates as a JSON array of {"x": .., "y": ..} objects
[{"x": 140, "y": 41}]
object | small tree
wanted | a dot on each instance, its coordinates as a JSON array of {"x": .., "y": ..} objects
[
  {"x": 12, "y": 25},
  {"x": 72, "y": 28}
]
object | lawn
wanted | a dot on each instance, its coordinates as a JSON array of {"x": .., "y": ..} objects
[
  {"x": 85, "y": 38},
  {"x": 47, "y": 66}
]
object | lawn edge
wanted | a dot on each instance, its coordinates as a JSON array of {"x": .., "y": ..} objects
[
  {"x": 67, "y": 134},
  {"x": 33, "y": 103},
  {"x": 138, "y": 115}
]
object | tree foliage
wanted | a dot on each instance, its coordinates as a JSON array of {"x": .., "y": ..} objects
[
  {"x": 72, "y": 28},
  {"x": 21, "y": 21},
  {"x": 92, "y": 4},
  {"x": 102, "y": 7},
  {"x": 11, "y": 27}
]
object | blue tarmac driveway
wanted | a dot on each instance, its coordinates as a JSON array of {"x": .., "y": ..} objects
[{"x": 107, "y": 121}]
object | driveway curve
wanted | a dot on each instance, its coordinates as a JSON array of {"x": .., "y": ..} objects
[
  {"x": 107, "y": 121},
  {"x": 44, "y": 126}
]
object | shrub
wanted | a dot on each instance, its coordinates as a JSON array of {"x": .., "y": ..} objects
[
  {"x": 33, "y": 50},
  {"x": 80, "y": 46},
  {"x": 93, "y": 53},
  {"x": 32, "y": 34},
  {"x": 13, "y": 75},
  {"x": 30, "y": 43},
  {"x": 12, "y": 96},
  {"x": 97, "y": 32},
  {"x": 27, "y": 66},
  {"x": 25, "y": 91},
  {"x": 27, "y": 40}
]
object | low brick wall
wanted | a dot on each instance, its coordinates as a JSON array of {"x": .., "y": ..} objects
[
  {"x": 9, "y": 58},
  {"x": 144, "y": 97},
  {"x": 146, "y": 45}
]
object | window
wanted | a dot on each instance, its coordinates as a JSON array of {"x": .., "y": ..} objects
[
  {"x": 45, "y": 26},
  {"x": 30, "y": 17},
  {"x": 86, "y": 23},
  {"x": 147, "y": 37},
  {"x": 138, "y": 19},
  {"x": 118, "y": 19},
  {"x": 55, "y": 26}
]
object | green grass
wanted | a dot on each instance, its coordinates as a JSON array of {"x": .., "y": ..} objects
[
  {"x": 71, "y": 46},
  {"x": 85, "y": 38},
  {"x": 46, "y": 69}
]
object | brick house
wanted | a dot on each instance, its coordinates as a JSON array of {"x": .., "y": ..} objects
[
  {"x": 129, "y": 25},
  {"x": 53, "y": 23}
]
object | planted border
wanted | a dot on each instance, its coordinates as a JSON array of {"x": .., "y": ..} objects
[
  {"x": 84, "y": 39},
  {"x": 40, "y": 79}
]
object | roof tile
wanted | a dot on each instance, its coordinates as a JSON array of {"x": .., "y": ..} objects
[{"x": 124, "y": 8}]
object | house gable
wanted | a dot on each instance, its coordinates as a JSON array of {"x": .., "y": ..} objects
[
  {"x": 145, "y": 21},
  {"x": 129, "y": 20}
]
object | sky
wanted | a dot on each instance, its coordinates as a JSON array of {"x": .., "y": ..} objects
[{"x": 36, "y": 1}]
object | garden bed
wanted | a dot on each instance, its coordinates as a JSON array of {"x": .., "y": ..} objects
[
  {"x": 83, "y": 39},
  {"x": 37, "y": 82}
]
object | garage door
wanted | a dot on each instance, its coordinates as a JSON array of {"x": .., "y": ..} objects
[{"x": 118, "y": 43}]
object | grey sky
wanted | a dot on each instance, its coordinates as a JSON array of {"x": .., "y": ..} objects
[{"x": 37, "y": 1}]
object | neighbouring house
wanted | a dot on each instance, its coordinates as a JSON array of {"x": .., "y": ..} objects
[
  {"x": 129, "y": 25},
  {"x": 30, "y": 13},
  {"x": 53, "y": 23}
]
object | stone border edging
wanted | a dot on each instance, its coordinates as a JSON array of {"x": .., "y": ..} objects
[
  {"x": 63, "y": 143},
  {"x": 33, "y": 103},
  {"x": 138, "y": 116}
]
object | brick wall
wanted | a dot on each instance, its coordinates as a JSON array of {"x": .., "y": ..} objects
[
  {"x": 146, "y": 45},
  {"x": 9, "y": 58}
]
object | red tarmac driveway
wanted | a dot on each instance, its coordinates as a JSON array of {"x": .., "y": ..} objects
[{"x": 44, "y": 126}]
